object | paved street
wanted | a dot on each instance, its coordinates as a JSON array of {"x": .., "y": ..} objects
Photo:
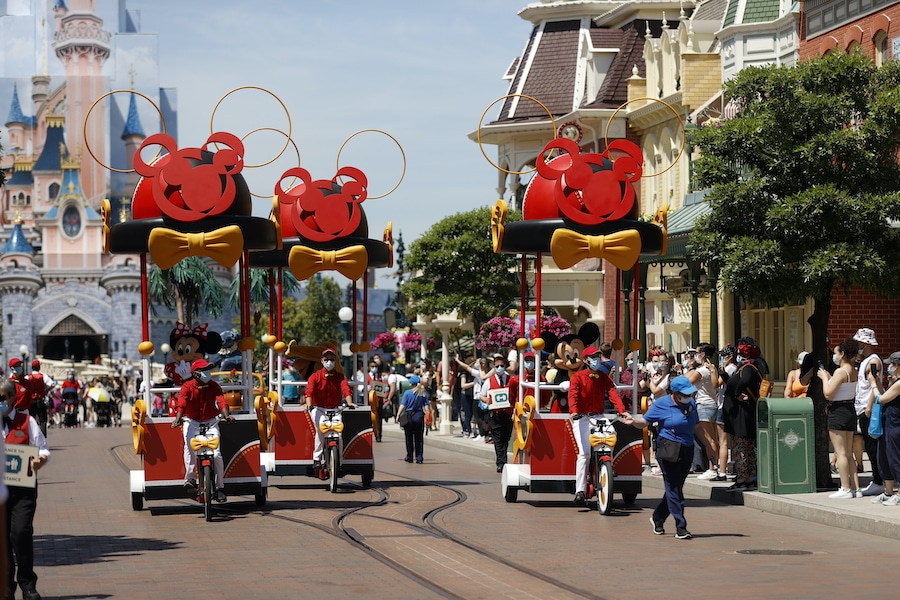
[{"x": 90, "y": 544}]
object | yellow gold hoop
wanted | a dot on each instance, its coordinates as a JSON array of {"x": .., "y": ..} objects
[
  {"x": 337, "y": 161},
  {"x": 290, "y": 141},
  {"x": 674, "y": 112},
  {"x": 288, "y": 114},
  {"x": 84, "y": 135},
  {"x": 478, "y": 130}
]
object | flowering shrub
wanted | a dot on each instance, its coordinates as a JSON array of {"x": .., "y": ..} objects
[
  {"x": 502, "y": 332},
  {"x": 555, "y": 325},
  {"x": 385, "y": 342},
  {"x": 497, "y": 333},
  {"x": 413, "y": 342}
]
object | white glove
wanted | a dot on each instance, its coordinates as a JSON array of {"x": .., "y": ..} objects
[
  {"x": 564, "y": 386},
  {"x": 183, "y": 369}
]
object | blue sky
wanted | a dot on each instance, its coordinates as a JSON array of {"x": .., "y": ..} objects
[{"x": 422, "y": 71}]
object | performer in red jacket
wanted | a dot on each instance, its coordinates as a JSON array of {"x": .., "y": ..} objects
[
  {"x": 201, "y": 400},
  {"x": 500, "y": 419},
  {"x": 588, "y": 390},
  {"x": 325, "y": 388}
]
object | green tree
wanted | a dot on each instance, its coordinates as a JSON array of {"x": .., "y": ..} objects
[
  {"x": 319, "y": 321},
  {"x": 259, "y": 291},
  {"x": 455, "y": 268},
  {"x": 804, "y": 183},
  {"x": 186, "y": 288}
]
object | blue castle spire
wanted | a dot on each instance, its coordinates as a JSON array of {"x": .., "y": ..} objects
[
  {"x": 17, "y": 242},
  {"x": 15, "y": 110},
  {"x": 133, "y": 123}
]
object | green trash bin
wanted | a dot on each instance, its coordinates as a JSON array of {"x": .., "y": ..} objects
[{"x": 785, "y": 442}]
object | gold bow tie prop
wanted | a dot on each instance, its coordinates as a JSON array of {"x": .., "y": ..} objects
[
  {"x": 350, "y": 262},
  {"x": 266, "y": 416},
  {"x": 523, "y": 425},
  {"x": 603, "y": 440},
  {"x": 498, "y": 224},
  {"x": 621, "y": 248},
  {"x": 138, "y": 414},
  {"x": 198, "y": 443},
  {"x": 661, "y": 218},
  {"x": 223, "y": 245}
]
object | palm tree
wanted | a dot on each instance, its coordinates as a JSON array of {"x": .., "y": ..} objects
[
  {"x": 186, "y": 288},
  {"x": 259, "y": 290}
]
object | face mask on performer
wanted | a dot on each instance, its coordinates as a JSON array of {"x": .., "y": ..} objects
[
  {"x": 593, "y": 363},
  {"x": 328, "y": 364},
  {"x": 529, "y": 365},
  {"x": 203, "y": 377}
]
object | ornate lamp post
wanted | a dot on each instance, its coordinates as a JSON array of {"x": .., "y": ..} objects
[
  {"x": 23, "y": 350},
  {"x": 345, "y": 314},
  {"x": 444, "y": 324},
  {"x": 166, "y": 348}
]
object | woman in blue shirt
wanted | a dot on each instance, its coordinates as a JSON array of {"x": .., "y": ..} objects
[
  {"x": 414, "y": 401},
  {"x": 676, "y": 415}
]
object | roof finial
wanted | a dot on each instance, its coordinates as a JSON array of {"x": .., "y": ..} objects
[
  {"x": 665, "y": 23},
  {"x": 132, "y": 73},
  {"x": 647, "y": 32}
]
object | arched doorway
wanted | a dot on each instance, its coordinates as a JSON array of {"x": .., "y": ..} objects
[{"x": 72, "y": 339}]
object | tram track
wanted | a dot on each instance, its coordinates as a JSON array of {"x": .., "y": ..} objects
[{"x": 387, "y": 541}]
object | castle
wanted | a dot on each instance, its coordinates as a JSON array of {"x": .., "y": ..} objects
[{"x": 61, "y": 298}]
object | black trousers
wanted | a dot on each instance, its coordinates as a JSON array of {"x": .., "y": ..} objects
[
  {"x": 20, "y": 524},
  {"x": 501, "y": 430},
  {"x": 871, "y": 445}
]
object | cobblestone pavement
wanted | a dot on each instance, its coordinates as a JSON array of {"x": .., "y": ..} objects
[{"x": 90, "y": 544}]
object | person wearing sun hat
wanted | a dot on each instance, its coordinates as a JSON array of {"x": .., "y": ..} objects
[
  {"x": 889, "y": 442},
  {"x": 868, "y": 360},
  {"x": 413, "y": 403},
  {"x": 676, "y": 416}
]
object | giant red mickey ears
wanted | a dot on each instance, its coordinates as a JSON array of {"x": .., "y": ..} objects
[
  {"x": 187, "y": 191},
  {"x": 323, "y": 210}
]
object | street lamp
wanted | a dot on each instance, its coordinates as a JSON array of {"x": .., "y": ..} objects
[
  {"x": 23, "y": 350},
  {"x": 166, "y": 348},
  {"x": 345, "y": 314}
]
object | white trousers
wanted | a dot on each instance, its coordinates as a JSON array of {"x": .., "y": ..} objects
[
  {"x": 582, "y": 432},
  {"x": 190, "y": 428}
]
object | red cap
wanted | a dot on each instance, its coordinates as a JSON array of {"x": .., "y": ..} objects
[
  {"x": 15, "y": 362},
  {"x": 528, "y": 354},
  {"x": 590, "y": 351},
  {"x": 35, "y": 364},
  {"x": 199, "y": 365},
  {"x": 328, "y": 351}
]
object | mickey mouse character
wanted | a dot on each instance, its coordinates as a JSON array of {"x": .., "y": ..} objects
[
  {"x": 566, "y": 358},
  {"x": 189, "y": 345}
]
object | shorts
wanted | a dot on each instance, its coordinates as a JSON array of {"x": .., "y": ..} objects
[
  {"x": 707, "y": 413},
  {"x": 841, "y": 416},
  {"x": 720, "y": 417}
]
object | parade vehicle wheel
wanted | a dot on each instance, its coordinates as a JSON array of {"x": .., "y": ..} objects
[
  {"x": 208, "y": 492},
  {"x": 260, "y": 496},
  {"x": 334, "y": 463},
  {"x": 511, "y": 494},
  {"x": 629, "y": 498},
  {"x": 604, "y": 485},
  {"x": 137, "y": 501},
  {"x": 367, "y": 479}
]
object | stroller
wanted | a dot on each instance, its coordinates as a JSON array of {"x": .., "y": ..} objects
[
  {"x": 70, "y": 409},
  {"x": 102, "y": 405}
]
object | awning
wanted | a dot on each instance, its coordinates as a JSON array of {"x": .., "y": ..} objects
[{"x": 681, "y": 224}]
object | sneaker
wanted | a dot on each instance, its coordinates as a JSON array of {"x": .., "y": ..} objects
[
  {"x": 683, "y": 534},
  {"x": 657, "y": 527},
  {"x": 220, "y": 496},
  {"x": 879, "y": 498},
  {"x": 707, "y": 475},
  {"x": 873, "y": 489},
  {"x": 841, "y": 494},
  {"x": 719, "y": 478},
  {"x": 892, "y": 501},
  {"x": 190, "y": 485},
  {"x": 579, "y": 499}
]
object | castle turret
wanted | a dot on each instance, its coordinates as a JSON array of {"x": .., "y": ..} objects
[
  {"x": 83, "y": 46},
  {"x": 20, "y": 281}
]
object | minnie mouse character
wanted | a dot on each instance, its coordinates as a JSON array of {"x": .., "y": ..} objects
[
  {"x": 189, "y": 345},
  {"x": 566, "y": 358}
]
